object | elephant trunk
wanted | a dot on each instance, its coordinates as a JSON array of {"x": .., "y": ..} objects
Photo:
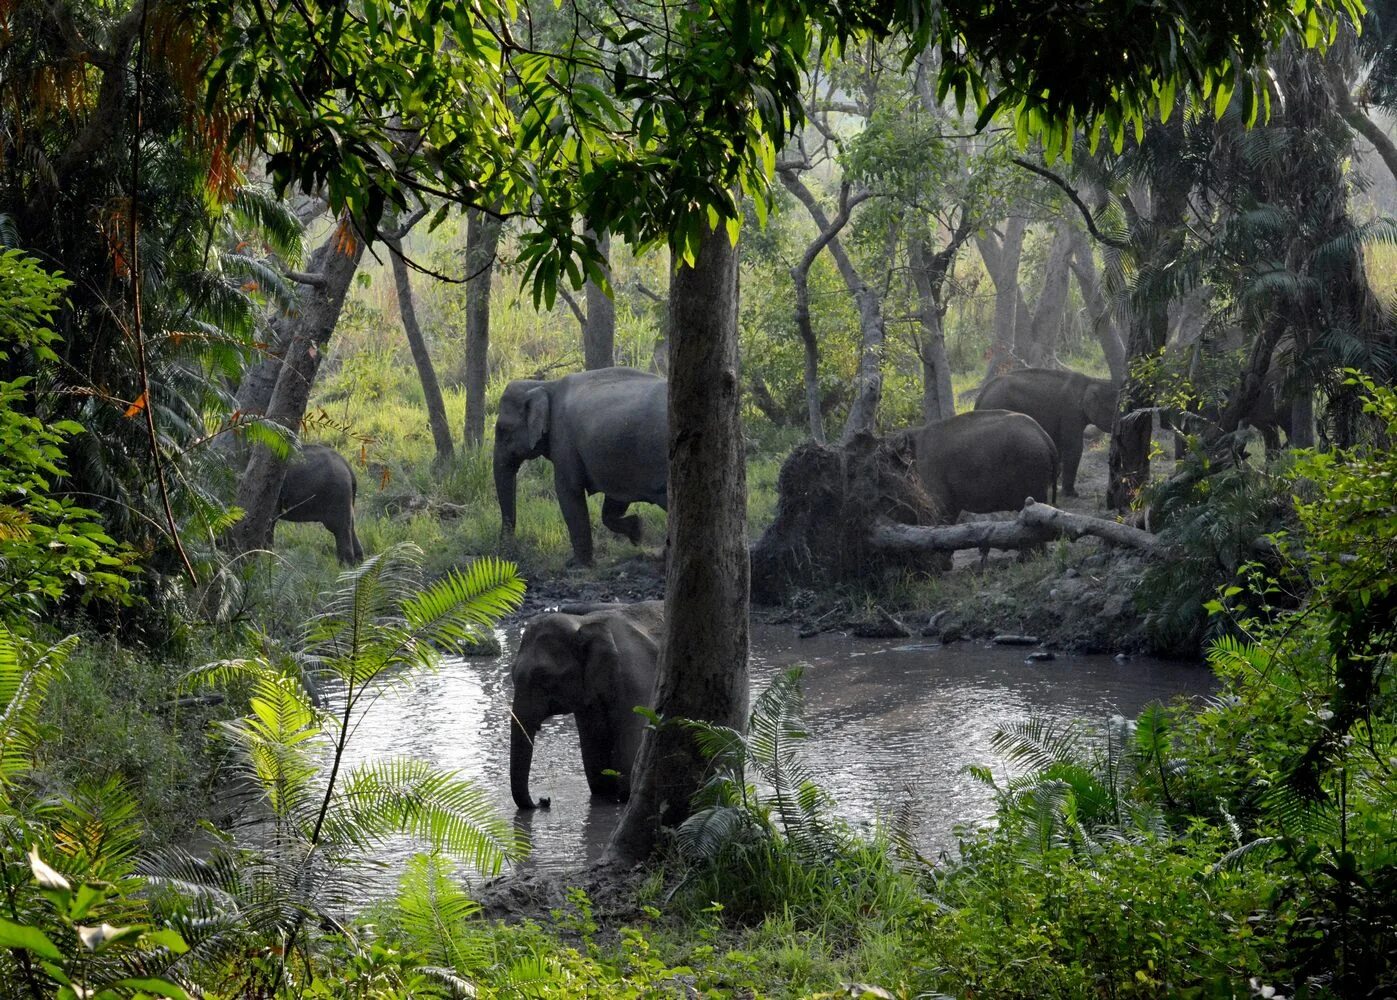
[
  {"x": 521, "y": 759},
  {"x": 506, "y": 478}
]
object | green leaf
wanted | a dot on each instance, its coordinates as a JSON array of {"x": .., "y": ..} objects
[
  {"x": 153, "y": 985},
  {"x": 13, "y": 935}
]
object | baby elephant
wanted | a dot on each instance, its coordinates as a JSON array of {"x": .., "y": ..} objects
[
  {"x": 598, "y": 665},
  {"x": 320, "y": 486}
]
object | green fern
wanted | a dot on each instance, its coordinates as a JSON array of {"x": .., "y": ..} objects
[{"x": 378, "y": 627}]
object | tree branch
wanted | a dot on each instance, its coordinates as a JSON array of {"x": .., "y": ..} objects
[{"x": 1098, "y": 235}]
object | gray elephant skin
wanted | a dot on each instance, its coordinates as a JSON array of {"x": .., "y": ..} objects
[
  {"x": 605, "y": 431},
  {"x": 1063, "y": 403},
  {"x": 982, "y": 461},
  {"x": 597, "y": 666},
  {"x": 320, "y": 487}
]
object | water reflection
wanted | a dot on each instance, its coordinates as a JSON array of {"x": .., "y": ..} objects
[{"x": 891, "y": 724}]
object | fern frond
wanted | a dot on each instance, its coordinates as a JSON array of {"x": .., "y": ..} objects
[
  {"x": 1037, "y": 743},
  {"x": 412, "y": 797}
]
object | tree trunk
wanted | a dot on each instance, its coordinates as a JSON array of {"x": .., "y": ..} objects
[
  {"x": 1001, "y": 257},
  {"x": 800, "y": 277},
  {"x": 1159, "y": 241},
  {"x": 599, "y": 328},
  {"x": 1045, "y": 328},
  {"x": 868, "y": 382},
  {"x": 335, "y": 262},
  {"x": 929, "y": 271},
  {"x": 1103, "y": 324},
  {"x": 482, "y": 242},
  {"x": 431, "y": 389},
  {"x": 703, "y": 663}
]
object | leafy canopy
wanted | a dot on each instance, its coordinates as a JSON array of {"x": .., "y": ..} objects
[{"x": 650, "y": 120}]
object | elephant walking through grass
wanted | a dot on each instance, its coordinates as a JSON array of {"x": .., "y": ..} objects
[
  {"x": 605, "y": 431},
  {"x": 320, "y": 487}
]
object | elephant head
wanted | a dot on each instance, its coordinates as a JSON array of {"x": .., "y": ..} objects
[
  {"x": 1100, "y": 402},
  {"x": 521, "y": 433},
  {"x": 597, "y": 667}
]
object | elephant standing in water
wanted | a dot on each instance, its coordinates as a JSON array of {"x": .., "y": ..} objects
[
  {"x": 1062, "y": 402},
  {"x": 598, "y": 666},
  {"x": 982, "y": 461},
  {"x": 605, "y": 431},
  {"x": 320, "y": 486}
]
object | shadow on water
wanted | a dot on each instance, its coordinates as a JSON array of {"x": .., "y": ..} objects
[{"x": 892, "y": 724}]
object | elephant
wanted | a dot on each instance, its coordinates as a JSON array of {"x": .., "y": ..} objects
[
  {"x": 320, "y": 486},
  {"x": 982, "y": 461},
  {"x": 1063, "y": 403},
  {"x": 605, "y": 431},
  {"x": 597, "y": 664}
]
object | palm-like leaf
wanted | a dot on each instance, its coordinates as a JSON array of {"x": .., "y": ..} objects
[
  {"x": 25, "y": 674},
  {"x": 410, "y": 796}
]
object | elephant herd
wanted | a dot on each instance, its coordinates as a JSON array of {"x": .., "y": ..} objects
[{"x": 606, "y": 431}]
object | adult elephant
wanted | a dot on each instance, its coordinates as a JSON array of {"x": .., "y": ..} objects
[
  {"x": 320, "y": 486},
  {"x": 982, "y": 461},
  {"x": 605, "y": 431},
  {"x": 597, "y": 665},
  {"x": 1063, "y": 403}
]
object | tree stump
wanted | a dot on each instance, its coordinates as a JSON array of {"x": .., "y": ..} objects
[{"x": 828, "y": 497}]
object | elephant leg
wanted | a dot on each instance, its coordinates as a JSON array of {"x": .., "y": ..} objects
[
  {"x": 572, "y": 501},
  {"x": 612, "y": 515},
  {"x": 596, "y": 738},
  {"x": 345, "y": 542},
  {"x": 1071, "y": 455}
]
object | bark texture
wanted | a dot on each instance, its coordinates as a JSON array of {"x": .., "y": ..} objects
[
  {"x": 1099, "y": 312},
  {"x": 422, "y": 358},
  {"x": 482, "y": 243},
  {"x": 703, "y": 663},
  {"x": 1001, "y": 256},
  {"x": 599, "y": 325},
  {"x": 310, "y": 327},
  {"x": 929, "y": 269}
]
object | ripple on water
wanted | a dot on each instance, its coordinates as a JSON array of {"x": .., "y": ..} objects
[{"x": 891, "y": 723}]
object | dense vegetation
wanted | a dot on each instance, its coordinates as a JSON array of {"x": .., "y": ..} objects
[{"x": 228, "y": 232}]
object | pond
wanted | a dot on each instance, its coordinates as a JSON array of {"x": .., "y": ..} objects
[{"x": 892, "y": 725}]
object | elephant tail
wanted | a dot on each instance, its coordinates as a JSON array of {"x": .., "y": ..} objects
[{"x": 1056, "y": 470}]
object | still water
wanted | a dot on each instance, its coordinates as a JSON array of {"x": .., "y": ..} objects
[{"x": 892, "y": 723}]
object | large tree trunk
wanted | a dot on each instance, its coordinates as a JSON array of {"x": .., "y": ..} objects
[
  {"x": 1045, "y": 327},
  {"x": 868, "y": 381},
  {"x": 333, "y": 265},
  {"x": 703, "y": 663},
  {"x": 929, "y": 271},
  {"x": 482, "y": 242},
  {"x": 1001, "y": 257},
  {"x": 422, "y": 358},
  {"x": 1103, "y": 324},
  {"x": 599, "y": 328}
]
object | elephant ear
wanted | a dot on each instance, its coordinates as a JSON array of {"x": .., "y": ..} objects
[
  {"x": 536, "y": 416},
  {"x": 600, "y": 659},
  {"x": 1099, "y": 402}
]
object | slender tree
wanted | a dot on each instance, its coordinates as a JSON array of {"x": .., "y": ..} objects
[
  {"x": 482, "y": 246},
  {"x": 421, "y": 356}
]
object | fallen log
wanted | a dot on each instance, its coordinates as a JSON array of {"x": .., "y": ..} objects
[{"x": 1036, "y": 524}]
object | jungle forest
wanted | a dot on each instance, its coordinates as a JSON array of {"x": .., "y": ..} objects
[{"x": 657, "y": 498}]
